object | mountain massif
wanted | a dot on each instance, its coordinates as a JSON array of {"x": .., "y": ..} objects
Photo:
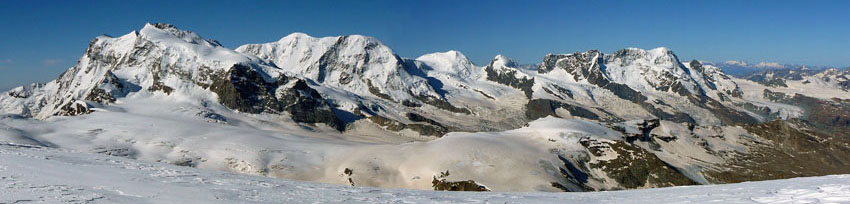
[{"x": 348, "y": 110}]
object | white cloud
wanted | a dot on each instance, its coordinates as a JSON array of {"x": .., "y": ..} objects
[
  {"x": 739, "y": 63},
  {"x": 743, "y": 63},
  {"x": 769, "y": 65},
  {"x": 52, "y": 62}
]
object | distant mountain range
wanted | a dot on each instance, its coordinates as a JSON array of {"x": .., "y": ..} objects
[
  {"x": 743, "y": 68},
  {"x": 348, "y": 110}
]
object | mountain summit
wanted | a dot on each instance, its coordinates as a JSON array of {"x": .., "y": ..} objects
[{"x": 349, "y": 110}]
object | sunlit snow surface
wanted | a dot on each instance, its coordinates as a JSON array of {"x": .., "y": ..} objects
[{"x": 37, "y": 174}]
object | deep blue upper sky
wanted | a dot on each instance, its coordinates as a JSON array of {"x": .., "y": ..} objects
[{"x": 39, "y": 40}]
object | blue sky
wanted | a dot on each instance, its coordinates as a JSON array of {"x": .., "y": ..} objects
[{"x": 40, "y": 39}]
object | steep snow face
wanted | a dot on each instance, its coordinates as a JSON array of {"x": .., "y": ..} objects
[
  {"x": 189, "y": 47},
  {"x": 363, "y": 76},
  {"x": 157, "y": 60},
  {"x": 648, "y": 71},
  {"x": 452, "y": 63},
  {"x": 357, "y": 64},
  {"x": 714, "y": 82},
  {"x": 504, "y": 61},
  {"x": 652, "y": 80},
  {"x": 505, "y": 71},
  {"x": 295, "y": 53},
  {"x": 656, "y": 69}
]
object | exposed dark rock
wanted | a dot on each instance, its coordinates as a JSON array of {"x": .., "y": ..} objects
[
  {"x": 411, "y": 104},
  {"x": 74, "y": 109},
  {"x": 564, "y": 91},
  {"x": 634, "y": 167},
  {"x": 559, "y": 186},
  {"x": 348, "y": 172},
  {"x": 678, "y": 117},
  {"x": 377, "y": 92},
  {"x": 186, "y": 161},
  {"x": 561, "y": 92},
  {"x": 485, "y": 94},
  {"x": 834, "y": 112},
  {"x": 778, "y": 77},
  {"x": 103, "y": 96},
  {"x": 539, "y": 108},
  {"x": 796, "y": 148},
  {"x": 118, "y": 152},
  {"x": 435, "y": 129},
  {"x": 24, "y": 91},
  {"x": 242, "y": 88},
  {"x": 510, "y": 78},
  {"x": 589, "y": 65},
  {"x": 159, "y": 86},
  {"x": 419, "y": 118},
  {"x": 646, "y": 127},
  {"x": 17, "y": 94},
  {"x": 553, "y": 93},
  {"x": 574, "y": 174},
  {"x": 441, "y": 104},
  {"x": 441, "y": 184}
]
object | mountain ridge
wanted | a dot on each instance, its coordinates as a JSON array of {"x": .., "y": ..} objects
[{"x": 342, "y": 104}]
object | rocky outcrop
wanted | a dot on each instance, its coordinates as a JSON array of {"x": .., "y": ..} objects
[
  {"x": 793, "y": 148},
  {"x": 503, "y": 71},
  {"x": 630, "y": 166},
  {"x": 539, "y": 108},
  {"x": 244, "y": 89},
  {"x": 441, "y": 184},
  {"x": 425, "y": 126},
  {"x": 835, "y": 112}
]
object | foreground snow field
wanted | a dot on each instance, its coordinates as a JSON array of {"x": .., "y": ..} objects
[{"x": 38, "y": 174}]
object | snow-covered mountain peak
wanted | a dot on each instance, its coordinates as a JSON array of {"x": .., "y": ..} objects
[
  {"x": 300, "y": 53},
  {"x": 303, "y": 39},
  {"x": 159, "y": 58},
  {"x": 659, "y": 56},
  {"x": 832, "y": 71},
  {"x": 452, "y": 55},
  {"x": 451, "y": 62},
  {"x": 656, "y": 70},
  {"x": 295, "y": 35},
  {"x": 501, "y": 60},
  {"x": 166, "y": 33},
  {"x": 355, "y": 64},
  {"x": 660, "y": 50},
  {"x": 659, "y": 68},
  {"x": 365, "y": 40}
]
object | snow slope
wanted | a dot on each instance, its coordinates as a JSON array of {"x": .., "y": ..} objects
[
  {"x": 348, "y": 110},
  {"x": 158, "y": 58},
  {"x": 37, "y": 174},
  {"x": 255, "y": 146}
]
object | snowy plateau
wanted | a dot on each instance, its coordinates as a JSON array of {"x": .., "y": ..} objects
[{"x": 162, "y": 115}]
